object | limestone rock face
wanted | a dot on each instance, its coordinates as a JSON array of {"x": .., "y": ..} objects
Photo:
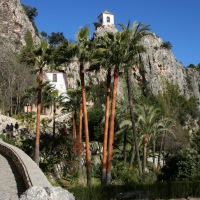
[
  {"x": 14, "y": 24},
  {"x": 40, "y": 193},
  {"x": 101, "y": 30},
  {"x": 160, "y": 63}
]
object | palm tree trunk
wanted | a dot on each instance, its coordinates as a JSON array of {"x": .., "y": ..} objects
[
  {"x": 87, "y": 142},
  {"x": 160, "y": 151},
  {"x": 81, "y": 121},
  {"x": 132, "y": 155},
  {"x": 125, "y": 143},
  {"x": 37, "y": 140},
  {"x": 105, "y": 140},
  {"x": 11, "y": 105},
  {"x": 154, "y": 150},
  {"x": 145, "y": 143},
  {"x": 133, "y": 119},
  {"x": 112, "y": 126},
  {"x": 74, "y": 125},
  {"x": 81, "y": 177},
  {"x": 54, "y": 119},
  {"x": 164, "y": 147}
]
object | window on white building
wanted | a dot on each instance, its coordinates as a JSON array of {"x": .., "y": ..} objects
[
  {"x": 108, "y": 19},
  {"x": 54, "y": 77}
]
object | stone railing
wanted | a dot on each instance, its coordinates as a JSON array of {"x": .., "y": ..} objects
[
  {"x": 12, "y": 154},
  {"x": 29, "y": 170}
]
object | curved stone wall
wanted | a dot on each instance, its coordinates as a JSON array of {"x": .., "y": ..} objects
[{"x": 29, "y": 170}]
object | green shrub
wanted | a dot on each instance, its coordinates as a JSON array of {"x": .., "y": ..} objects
[
  {"x": 167, "y": 45},
  {"x": 162, "y": 190}
]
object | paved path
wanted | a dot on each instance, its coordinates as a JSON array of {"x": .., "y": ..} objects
[{"x": 11, "y": 184}]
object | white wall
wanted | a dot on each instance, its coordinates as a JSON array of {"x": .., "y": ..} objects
[
  {"x": 60, "y": 85},
  {"x": 104, "y": 18}
]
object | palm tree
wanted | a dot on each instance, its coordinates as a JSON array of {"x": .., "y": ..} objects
[
  {"x": 101, "y": 58},
  {"x": 51, "y": 99},
  {"x": 162, "y": 126},
  {"x": 83, "y": 49},
  {"x": 135, "y": 33},
  {"x": 42, "y": 59},
  {"x": 168, "y": 124},
  {"x": 151, "y": 123},
  {"x": 148, "y": 117},
  {"x": 122, "y": 51},
  {"x": 116, "y": 46},
  {"x": 116, "y": 49},
  {"x": 71, "y": 104}
]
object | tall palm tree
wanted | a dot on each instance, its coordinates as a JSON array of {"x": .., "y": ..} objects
[
  {"x": 134, "y": 48},
  {"x": 123, "y": 49},
  {"x": 65, "y": 54},
  {"x": 83, "y": 53},
  {"x": 101, "y": 59},
  {"x": 43, "y": 57},
  {"x": 116, "y": 49}
]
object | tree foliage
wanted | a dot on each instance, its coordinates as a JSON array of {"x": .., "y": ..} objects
[
  {"x": 56, "y": 39},
  {"x": 167, "y": 45},
  {"x": 183, "y": 165},
  {"x": 31, "y": 12},
  {"x": 26, "y": 54},
  {"x": 175, "y": 104},
  {"x": 15, "y": 79}
]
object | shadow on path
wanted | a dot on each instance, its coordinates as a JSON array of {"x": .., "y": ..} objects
[{"x": 20, "y": 187}]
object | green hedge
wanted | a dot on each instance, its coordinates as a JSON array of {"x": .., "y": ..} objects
[{"x": 158, "y": 190}]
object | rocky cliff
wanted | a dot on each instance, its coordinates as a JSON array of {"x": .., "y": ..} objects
[
  {"x": 14, "y": 24},
  {"x": 102, "y": 30},
  {"x": 159, "y": 62}
]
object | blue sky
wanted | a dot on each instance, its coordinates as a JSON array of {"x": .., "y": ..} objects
[{"x": 177, "y": 21}]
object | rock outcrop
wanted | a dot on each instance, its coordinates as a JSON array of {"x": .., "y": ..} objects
[
  {"x": 101, "y": 30},
  {"x": 159, "y": 63},
  {"x": 14, "y": 24},
  {"x": 47, "y": 193}
]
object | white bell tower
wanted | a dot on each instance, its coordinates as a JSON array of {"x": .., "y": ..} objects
[{"x": 106, "y": 18}]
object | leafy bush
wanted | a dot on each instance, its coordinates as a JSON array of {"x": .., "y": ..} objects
[
  {"x": 163, "y": 190},
  {"x": 184, "y": 165},
  {"x": 31, "y": 12},
  {"x": 167, "y": 45},
  {"x": 173, "y": 103}
]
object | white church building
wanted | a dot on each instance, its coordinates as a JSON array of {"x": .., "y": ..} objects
[
  {"x": 58, "y": 80},
  {"x": 106, "y": 18}
]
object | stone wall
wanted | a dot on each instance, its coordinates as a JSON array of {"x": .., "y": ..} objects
[
  {"x": 36, "y": 183},
  {"x": 7, "y": 151},
  {"x": 30, "y": 172}
]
